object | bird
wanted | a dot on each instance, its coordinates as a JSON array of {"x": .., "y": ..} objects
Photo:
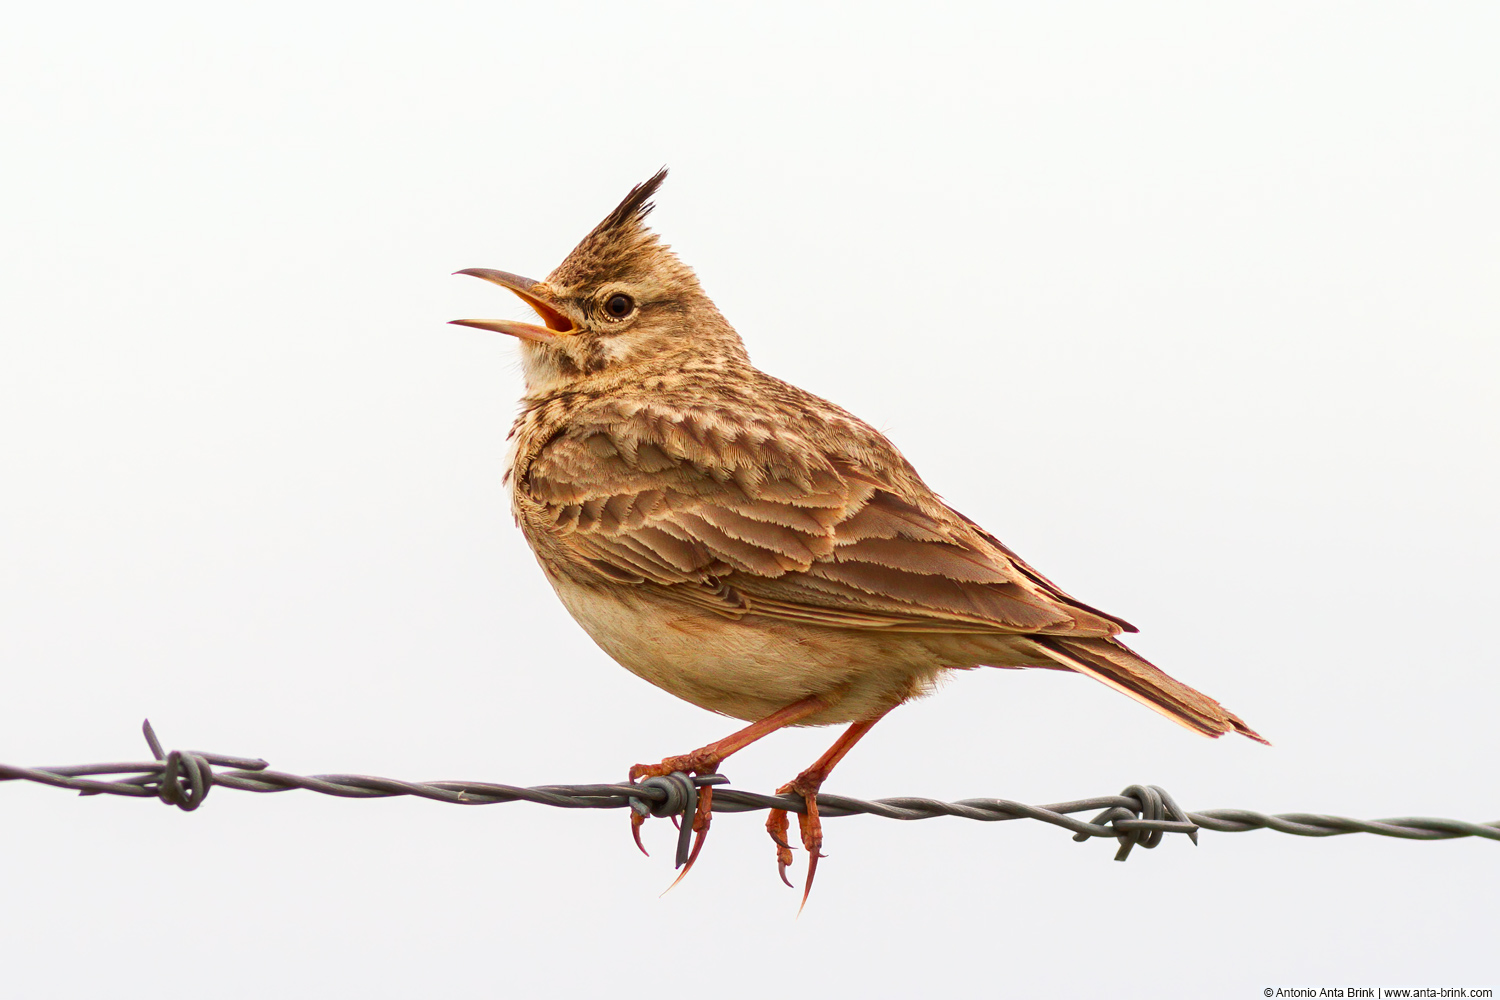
[{"x": 752, "y": 548}]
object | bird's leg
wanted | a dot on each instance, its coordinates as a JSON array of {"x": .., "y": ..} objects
[
  {"x": 706, "y": 760},
  {"x": 806, "y": 785}
]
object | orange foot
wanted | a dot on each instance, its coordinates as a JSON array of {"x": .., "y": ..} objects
[
  {"x": 806, "y": 785},
  {"x": 697, "y": 763}
]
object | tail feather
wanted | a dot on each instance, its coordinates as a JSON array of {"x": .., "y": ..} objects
[{"x": 1112, "y": 663}]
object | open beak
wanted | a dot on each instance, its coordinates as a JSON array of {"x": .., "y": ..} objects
[{"x": 557, "y": 325}]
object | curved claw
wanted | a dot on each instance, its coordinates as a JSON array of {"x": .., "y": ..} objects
[
  {"x": 699, "y": 836},
  {"x": 698, "y": 839},
  {"x": 636, "y": 822},
  {"x": 812, "y": 869},
  {"x": 776, "y": 826},
  {"x": 701, "y": 818},
  {"x": 811, "y": 827}
]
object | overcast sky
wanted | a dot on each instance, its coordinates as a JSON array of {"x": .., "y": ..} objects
[{"x": 1195, "y": 306}]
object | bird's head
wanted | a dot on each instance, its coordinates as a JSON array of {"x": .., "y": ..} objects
[{"x": 620, "y": 303}]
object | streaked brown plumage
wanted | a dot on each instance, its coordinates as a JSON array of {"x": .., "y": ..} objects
[{"x": 748, "y": 546}]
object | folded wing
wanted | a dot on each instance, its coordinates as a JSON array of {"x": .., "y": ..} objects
[{"x": 732, "y": 517}]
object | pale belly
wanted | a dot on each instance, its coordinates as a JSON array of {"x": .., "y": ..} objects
[{"x": 754, "y": 666}]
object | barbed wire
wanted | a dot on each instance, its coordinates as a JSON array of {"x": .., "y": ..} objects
[{"x": 1141, "y": 815}]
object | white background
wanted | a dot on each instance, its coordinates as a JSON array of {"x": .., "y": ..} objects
[{"x": 1194, "y": 306}]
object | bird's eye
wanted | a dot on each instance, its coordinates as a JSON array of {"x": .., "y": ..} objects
[{"x": 619, "y": 306}]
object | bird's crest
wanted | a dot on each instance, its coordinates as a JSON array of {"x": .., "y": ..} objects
[
  {"x": 632, "y": 212},
  {"x": 620, "y": 246}
]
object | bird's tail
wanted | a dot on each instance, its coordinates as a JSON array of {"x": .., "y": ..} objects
[{"x": 1112, "y": 663}]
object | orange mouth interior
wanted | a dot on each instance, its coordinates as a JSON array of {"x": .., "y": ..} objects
[{"x": 553, "y": 319}]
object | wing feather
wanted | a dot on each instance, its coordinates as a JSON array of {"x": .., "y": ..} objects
[{"x": 724, "y": 515}]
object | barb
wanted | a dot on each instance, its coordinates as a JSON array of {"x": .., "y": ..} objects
[{"x": 1141, "y": 815}]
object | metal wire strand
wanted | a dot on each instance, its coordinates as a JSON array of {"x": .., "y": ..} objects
[{"x": 1141, "y": 815}]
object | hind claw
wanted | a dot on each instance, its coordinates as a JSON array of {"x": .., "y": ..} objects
[
  {"x": 636, "y": 822},
  {"x": 698, "y": 839},
  {"x": 701, "y": 819},
  {"x": 811, "y": 827},
  {"x": 812, "y": 869}
]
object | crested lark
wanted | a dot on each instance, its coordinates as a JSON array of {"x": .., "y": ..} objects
[{"x": 752, "y": 548}]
